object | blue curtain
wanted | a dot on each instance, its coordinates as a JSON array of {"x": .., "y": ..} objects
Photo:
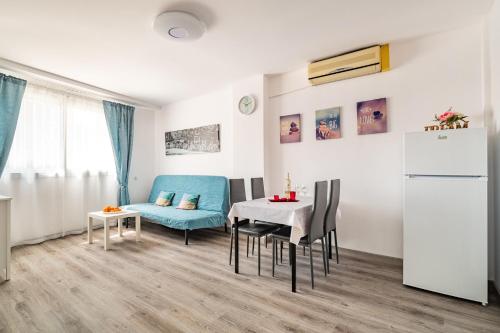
[
  {"x": 11, "y": 95},
  {"x": 120, "y": 120}
]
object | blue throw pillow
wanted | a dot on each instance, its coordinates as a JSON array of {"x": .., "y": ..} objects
[
  {"x": 164, "y": 198},
  {"x": 189, "y": 201}
]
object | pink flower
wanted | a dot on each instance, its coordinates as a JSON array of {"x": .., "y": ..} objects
[{"x": 446, "y": 115}]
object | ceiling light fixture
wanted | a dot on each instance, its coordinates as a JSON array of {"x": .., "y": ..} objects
[{"x": 179, "y": 26}]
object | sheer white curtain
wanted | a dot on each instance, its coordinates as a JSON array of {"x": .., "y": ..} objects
[
  {"x": 60, "y": 166},
  {"x": 39, "y": 139},
  {"x": 88, "y": 145}
]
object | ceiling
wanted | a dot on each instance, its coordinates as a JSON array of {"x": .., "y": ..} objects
[{"x": 111, "y": 43}]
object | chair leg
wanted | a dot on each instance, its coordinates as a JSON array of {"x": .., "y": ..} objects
[
  {"x": 304, "y": 249},
  {"x": 253, "y": 244},
  {"x": 248, "y": 242},
  {"x": 323, "y": 252},
  {"x": 186, "y": 237},
  {"x": 258, "y": 256},
  {"x": 225, "y": 227},
  {"x": 326, "y": 254},
  {"x": 336, "y": 245},
  {"x": 274, "y": 253},
  {"x": 231, "y": 248},
  {"x": 276, "y": 249},
  {"x": 281, "y": 252},
  {"x": 311, "y": 263}
]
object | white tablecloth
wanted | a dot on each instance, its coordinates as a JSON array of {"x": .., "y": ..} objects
[{"x": 295, "y": 214}]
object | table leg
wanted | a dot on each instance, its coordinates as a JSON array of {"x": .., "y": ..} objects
[
  {"x": 120, "y": 229},
  {"x": 90, "y": 230},
  {"x": 138, "y": 228},
  {"x": 258, "y": 254},
  {"x": 236, "y": 247},
  {"x": 294, "y": 265},
  {"x": 106, "y": 234}
]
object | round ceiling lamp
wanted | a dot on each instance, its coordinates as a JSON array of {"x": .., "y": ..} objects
[{"x": 179, "y": 26}]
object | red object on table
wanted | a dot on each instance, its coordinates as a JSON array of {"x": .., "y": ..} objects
[
  {"x": 276, "y": 197},
  {"x": 292, "y": 195},
  {"x": 283, "y": 200}
]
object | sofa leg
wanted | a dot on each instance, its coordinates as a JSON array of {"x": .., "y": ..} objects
[{"x": 186, "y": 237}]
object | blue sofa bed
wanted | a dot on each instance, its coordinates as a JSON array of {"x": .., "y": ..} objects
[{"x": 212, "y": 210}]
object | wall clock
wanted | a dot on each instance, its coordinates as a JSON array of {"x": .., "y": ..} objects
[{"x": 247, "y": 105}]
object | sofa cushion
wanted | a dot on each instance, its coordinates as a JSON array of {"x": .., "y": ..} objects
[{"x": 178, "y": 218}]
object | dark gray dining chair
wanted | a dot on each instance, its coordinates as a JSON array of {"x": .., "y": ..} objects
[
  {"x": 316, "y": 232},
  {"x": 331, "y": 219},
  {"x": 257, "y": 187},
  {"x": 255, "y": 230}
]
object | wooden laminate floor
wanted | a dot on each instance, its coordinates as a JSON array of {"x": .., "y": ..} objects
[{"x": 160, "y": 285}]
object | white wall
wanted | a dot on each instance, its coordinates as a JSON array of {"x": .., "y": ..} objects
[
  {"x": 242, "y": 136},
  {"x": 212, "y": 108},
  {"x": 249, "y": 131},
  {"x": 492, "y": 108},
  {"x": 428, "y": 75},
  {"x": 142, "y": 170}
]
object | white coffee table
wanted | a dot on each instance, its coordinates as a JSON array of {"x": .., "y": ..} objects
[{"x": 107, "y": 218}]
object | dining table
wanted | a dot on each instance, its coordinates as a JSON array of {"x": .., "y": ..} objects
[{"x": 294, "y": 214}]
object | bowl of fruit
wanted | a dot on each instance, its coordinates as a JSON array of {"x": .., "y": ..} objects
[{"x": 111, "y": 210}]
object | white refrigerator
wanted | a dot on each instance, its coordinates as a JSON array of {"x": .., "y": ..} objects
[{"x": 445, "y": 212}]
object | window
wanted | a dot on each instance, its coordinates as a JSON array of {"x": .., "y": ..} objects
[{"x": 58, "y": 133}]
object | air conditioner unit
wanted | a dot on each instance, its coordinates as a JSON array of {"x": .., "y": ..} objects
[{"x": 371, "y": 60}]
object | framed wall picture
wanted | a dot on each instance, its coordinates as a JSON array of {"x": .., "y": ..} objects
[
  {"x": 372, "y": 116},
  {"x": 290, "y": 128},
  {"x": 204, "y": 139},
  {"x": 328, "y": 124}
]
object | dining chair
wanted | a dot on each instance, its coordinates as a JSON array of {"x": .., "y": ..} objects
[
  {"x": 257, "y": 187},
  {"x": 331, "y": 219},
  {"x": 317, "y": 231},
  {"x": 255, "y": 230}
]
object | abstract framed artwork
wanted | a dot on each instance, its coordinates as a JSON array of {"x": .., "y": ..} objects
[
  {"x": 290, "y": 128},
  {"x": 328, "y": 124},
  {"x": 372, "y": 116},
  {"x": 204, "y": 139}
]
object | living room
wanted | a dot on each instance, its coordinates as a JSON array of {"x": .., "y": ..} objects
[{"x": 182, "y": 120}]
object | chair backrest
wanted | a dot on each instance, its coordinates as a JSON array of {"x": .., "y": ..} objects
[
  {"x": 257, "y": 188},
  {"x": 319, "y": 212},
  {"x": 237, "y": 190},
  {"x": 331, "y": 213}
]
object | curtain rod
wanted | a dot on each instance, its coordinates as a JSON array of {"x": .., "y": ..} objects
[{"x": 81, "y": 88}]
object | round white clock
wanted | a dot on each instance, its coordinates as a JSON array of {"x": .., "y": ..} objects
[{"x": 247, "y": 105}]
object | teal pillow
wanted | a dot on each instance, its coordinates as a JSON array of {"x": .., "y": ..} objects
[
  {"x": 189, "y": 201},
  {"x": 164, "y": 198}
]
